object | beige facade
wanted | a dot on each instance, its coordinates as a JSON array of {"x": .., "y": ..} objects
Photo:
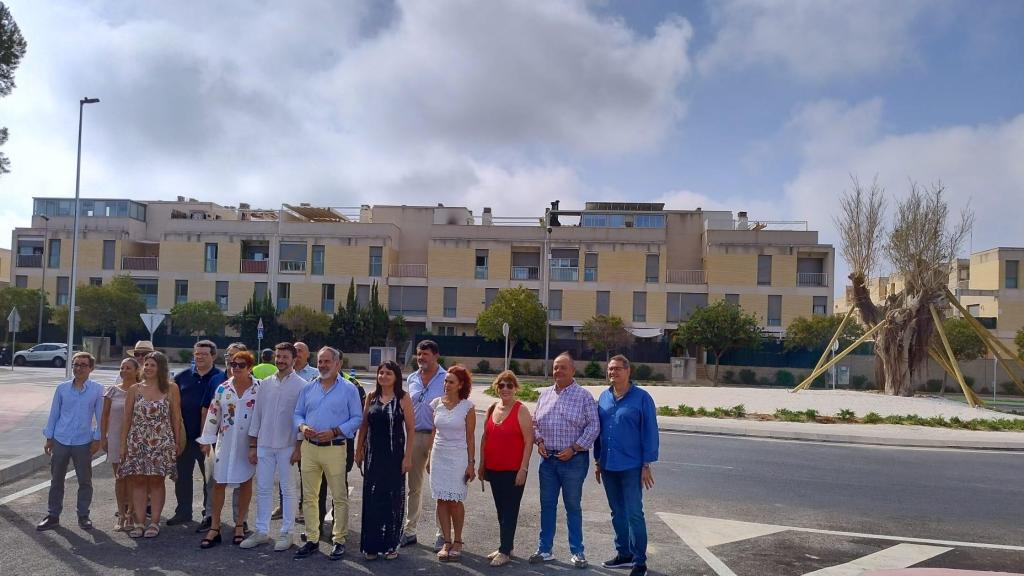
[
  {"x": 438, "y": 266},
  {"x": 5, "y": 267}
]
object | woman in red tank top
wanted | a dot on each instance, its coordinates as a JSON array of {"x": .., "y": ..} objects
[{"x": 505, "y": 451}]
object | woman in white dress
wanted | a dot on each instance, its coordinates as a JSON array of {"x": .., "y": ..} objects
[
  {"x": 452, "y": 458},
  {"x": 111, "y": 425},
  {"x": 227, "y": 426}
]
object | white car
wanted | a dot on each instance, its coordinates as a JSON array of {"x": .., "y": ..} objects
[{"x": 51, "y": 353}]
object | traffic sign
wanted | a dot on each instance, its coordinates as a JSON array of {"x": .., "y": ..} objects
[
  {"x": 259, "y": 330},
  {"x": 13, "y": 320},
  {"x": 152, "y": 321}
]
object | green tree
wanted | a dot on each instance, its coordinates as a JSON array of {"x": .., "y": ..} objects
[
  {"x": 112, "y": 308},
  {"x": 398, "y": 332},
  {"x": 249, "y": 318},
  {"x": 376, "y": 320},
  {"x": 27, "y": 302},
  {"x": 815, "y": 332},
  {"x": 525, "y": 315},
  {"x": 12, "y": 50},
  {"x": 304, "y": 321},
  {"x": 606, "y": 334},
  {"x": 198, "y": 318},
  {"x": 348, "y": 327},
  {"x": 964, "y": 341},
  {"x": 1019, "y": 341},
  {"x": 719, "y": 328}
]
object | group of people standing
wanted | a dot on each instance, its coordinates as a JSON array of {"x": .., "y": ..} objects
[{"x": 238, "y": 429}]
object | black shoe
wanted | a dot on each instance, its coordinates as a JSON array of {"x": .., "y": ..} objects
[
  {"x": 619, "y": 561},
  {"x": 639, "y": 570},
  {"x": 204, "y": 525},
  {"x": 48, "y": 523},
  {"x": 408, "y": 540},
  {"x": 337, "y": 552},
  {"x": 307, "y": 549},
  {"x": 85, "y": 523},
  {"x": 179, "y": 519}
]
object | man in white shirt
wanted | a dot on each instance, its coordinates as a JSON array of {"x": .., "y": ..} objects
[{"x": 272, "y": 438}]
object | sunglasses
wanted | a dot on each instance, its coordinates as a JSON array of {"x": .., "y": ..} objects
[
  {"x": 504, "y": 385},
  {"x": 237, "y": 365}
]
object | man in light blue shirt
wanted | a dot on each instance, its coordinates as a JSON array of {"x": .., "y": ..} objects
[
  {"x": 424, "y": 386},
  {"x": 302, "y": 367},
  {"x": 328, "y": 414},
  {"x": 73, "y": 435}
]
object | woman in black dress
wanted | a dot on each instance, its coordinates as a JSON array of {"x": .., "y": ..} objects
[{"x": 381, "y": 454}]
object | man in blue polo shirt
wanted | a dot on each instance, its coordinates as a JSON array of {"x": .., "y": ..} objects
[
  {"x": 197, "y": 387},
  {"x": 623, "y": 455},
  {"x": 73, "y": 435}
]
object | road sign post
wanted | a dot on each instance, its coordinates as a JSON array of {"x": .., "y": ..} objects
[
  {"x": 14, "y": 324},
  {"x": 504, "y": 332},
  {"x": 259, "y": 338},
  {"x": 152, "y": 322}
]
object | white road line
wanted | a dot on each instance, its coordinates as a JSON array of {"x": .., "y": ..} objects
[
  {"x": 694, "y": 464},
  {"x": 898, "y": 556},
  {"x": 32, "y": 489},
  {"x": 1017, "y": 453}
]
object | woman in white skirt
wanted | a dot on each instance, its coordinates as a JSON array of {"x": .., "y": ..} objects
[
  {"x": 227, "y": 426},
  {"x": 452, "y": 458}
]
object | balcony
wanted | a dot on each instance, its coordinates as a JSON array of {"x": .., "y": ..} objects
[
  {"x": 525, "y": 273},
  {"x": 253, "y": 266},
  {"x": 819, "y": 279},
  {"x": 145, "y": 263},
  {"x": 30, "y": 261},
  {"x": 408, "y": 270},
  {"x": 689, "y": 277},
  {"x": 480, "y": 273},
  {"x": 565, "y": 274},
  {"x": 292, "y": 267}
]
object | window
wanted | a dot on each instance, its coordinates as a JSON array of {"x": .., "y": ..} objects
[
  {"x": 565, "y": 265},
  {"x": 651, "y": 269},
  {"x": 181, "y": 291},
  {"x": 639, "y": 306},
  {"x": 284, "y": 293},
  {"x": 222, "y": 295},
  {"x": 590, "y": 267},
  {"x": 363, "y": 296},
  {"x": 326, "y": 296},
  {"x": 376, "y": 260},
  {"x": 733, "y": 299},
  {"x": 407, "y": 300},
  {"x": 446, "y": 330},
  {"x": 149, "y": 289},
  {"x": 211, "y": 257},
  {"x": 489, "y": 295},
  {"x": 108, "y": 254},
  {"x": 450, "y": 302},
  {"x": 53, "y": 255},
  {"x": 604, "y": 220},
  {"x": 555, "y": 305},
  {"x": 21, "y": 281},
  {"x": 775, "y": 310},
  {"x": 259, "y": 290},
  {"x": 649, "y": 221},
  {"x": 603, "y": 300},
  {"x": 95, "y": 281},
  {"x": 764, "y": 270},
  {"x": 318, "y": 260},
  {"x": 293, "y": 257},
  {"x": 1012, "y": 269},
  {"x": 62, "y": 290},
  {"x": 480, "y": 272},
  {"x": 525, "y": 266},
  {"x": 680, "y": 305},
  {"x": 974, "y": 310},
  {"x": 820, "y": 306}
]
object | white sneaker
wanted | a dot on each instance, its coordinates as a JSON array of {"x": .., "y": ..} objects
[
  {"x": 254, "y": 540},
  {"x": 283, "y": 542}
]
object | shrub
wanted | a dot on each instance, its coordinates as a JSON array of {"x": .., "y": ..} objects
[
  {"x": 785, "y": 378},
  {"x": 685, "y": 410},
  {"x": 739, "y": 411},
  {"x": 659, "y": 377},
  {"x": 642, "y": 372},
  {"x": 513, "y": 365},
  {"x": 847, "y": 415},
  {"x": 184, "y": 356},
  {"x": 810, "y": 414},
  {"x": 969, "y": 380},
  {"x": 1008, "y": 388},
  {"x": 764, "y": 381},
  {"x": 933, "y": 385},
  {"x": 872, "y": 418},
  {"x": 787, "y": 415},
  {"x": 701, "y": 411},
  {"x": 442, "y": 360},
  {"x": 748, "y": 377},
  {"x": 859, "y": 382},
  {"x": 728, "y": 376},
  {"x": 593, "y": 370},
  {"x": 483, "y": 367},
  {"x": 666, "y": 411}
]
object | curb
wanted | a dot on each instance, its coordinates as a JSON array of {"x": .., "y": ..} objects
[{"x": 23, "y": 467}]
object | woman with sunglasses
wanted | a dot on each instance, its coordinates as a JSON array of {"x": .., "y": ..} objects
[
  {"x": 227, "y": 427},
  {"x": 111, "y": 424},
  {"x": 505, "y": 450}
]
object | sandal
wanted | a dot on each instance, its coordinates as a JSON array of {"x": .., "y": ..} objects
[
  {"x": 444, "y": 553},
  {"x": 208, "y": 542},
  {"x": 152, "y": 531},
  {"x": 136, "y": 532},
  {"x": 500, "y": 560},
  {"x": 239, "y": 538},
  {"x": 455, "y": 555},
  {"x": 391, "y": 555}
]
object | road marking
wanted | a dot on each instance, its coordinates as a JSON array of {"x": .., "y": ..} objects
[
  {"x": 898, "y": 556},
  {"x": 829, "y": 444},
  {"x": 694, "y": 464},
  {"x": 32, "y": 489}
]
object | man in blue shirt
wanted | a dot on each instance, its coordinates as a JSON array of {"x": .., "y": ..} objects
[
  {"x": 73, "y": 434},
  {"x": 623, "y": 454},
  {"x": 328, "y": 414},
  {"x": 197, "y": 387},
  {"x": 424, "y": 386}
]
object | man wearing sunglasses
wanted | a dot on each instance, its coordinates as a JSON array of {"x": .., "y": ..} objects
[{"x": 73, "y": 435}]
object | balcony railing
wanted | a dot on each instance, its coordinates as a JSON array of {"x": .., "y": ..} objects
[
  {"x": 408, "y": 270},
  {"x": 564, "y": 274},
  {"x": 691, "y": 277},
  {"x": 812, "y": 279},
  {"x": 292, "y": 266},
  {"x": 525, "y": 273},
  {"x": 30, "y": 261},
  {"x": 480, "y": 273},
  {"x": 151, "y": 263},
  {"x": 253, "y": 266}
]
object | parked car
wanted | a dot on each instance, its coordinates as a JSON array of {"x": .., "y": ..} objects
[{"x": 50, "y": 353}]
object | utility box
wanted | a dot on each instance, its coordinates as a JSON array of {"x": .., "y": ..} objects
[
  {"x": 684, "y": 369},
  {"x": 98, "y": 346},
  {"x": 381, "y": 354}
]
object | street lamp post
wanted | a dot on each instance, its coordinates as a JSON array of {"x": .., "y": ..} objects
[
  {"x": 74, "y": 240},
  {"x": 42, "y": 287},
  {"x": 546, "y": 269}
]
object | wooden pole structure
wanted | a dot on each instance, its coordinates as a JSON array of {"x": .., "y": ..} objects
[
  {"x": 821, "y": 369},
  {"x": 968, "y": 393},
  {"x": 835, "y": 337},
  {"x": 939, "y": 356},
  {"x": 992, "y": 343}
]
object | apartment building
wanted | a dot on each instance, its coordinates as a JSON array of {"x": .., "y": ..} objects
[
  {"x": 5, "y": 267},
  {"x": 437, "y": 266}
]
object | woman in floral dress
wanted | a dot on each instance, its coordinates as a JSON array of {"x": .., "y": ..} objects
[
  {"x": 227, "y": 426},
  {"x": 152, "y": 438},
  {"x": 111, "y": 424}
]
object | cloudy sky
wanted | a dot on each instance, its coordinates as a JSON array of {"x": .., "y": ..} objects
[{"x": 764, "y": 106}]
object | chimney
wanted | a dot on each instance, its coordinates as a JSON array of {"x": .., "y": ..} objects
[
  {"x": 180, "y": 199},
  {"x": 241, "y": 206},
  {"x": 365, "y": 215},
  {"x": 741, "y": 221},
  {"x": 488, "y": 217}
]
